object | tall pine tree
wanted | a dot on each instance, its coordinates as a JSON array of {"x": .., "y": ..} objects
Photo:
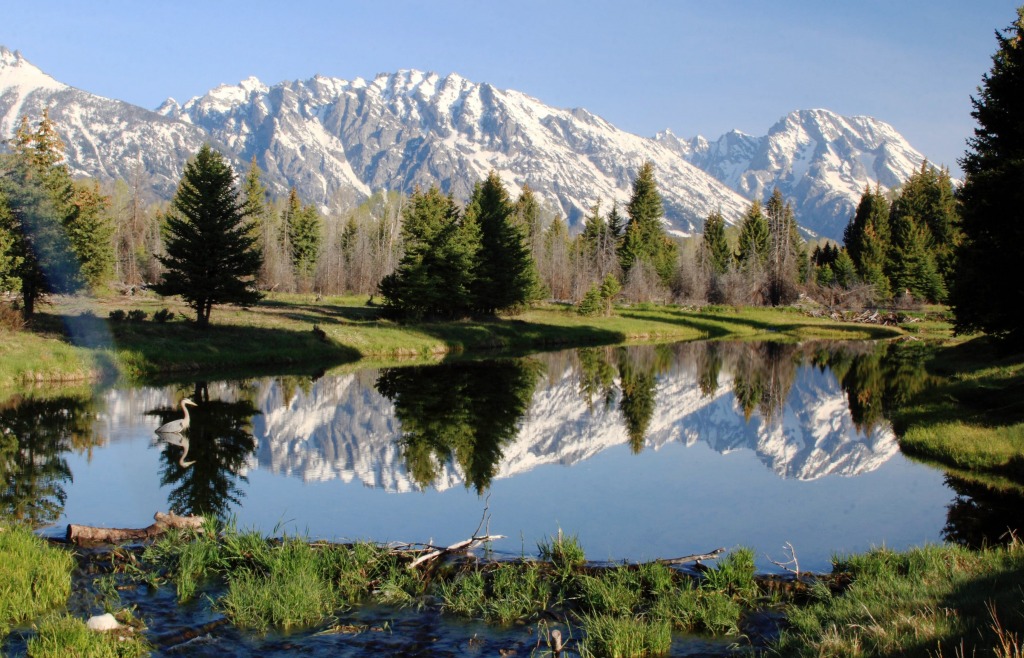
[
  {"x": 867, "y": 238},
  {"x": 754, "y": 237},
  {"x": 716, "y": 249},
  {"x": 988, "y": 290},
  {"x": 436, "y": 276},
  {"x": 644, "y": 237},
  {"x": 212, "y": 256},
  {"x": 506, "y": 276}
]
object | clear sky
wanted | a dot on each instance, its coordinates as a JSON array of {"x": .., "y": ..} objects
[{"x": 694, "y": 66}]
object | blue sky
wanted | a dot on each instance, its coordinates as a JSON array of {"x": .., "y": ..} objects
[{"x": 697, "y": 67}]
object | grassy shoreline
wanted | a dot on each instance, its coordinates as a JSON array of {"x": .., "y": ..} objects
[{"x": 74, "y": 339}]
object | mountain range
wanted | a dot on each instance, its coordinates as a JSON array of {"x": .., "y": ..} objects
[{"x": 337, "y": 141}]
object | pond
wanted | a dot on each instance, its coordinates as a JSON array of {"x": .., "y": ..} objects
[{"x": 642, "y": 452}]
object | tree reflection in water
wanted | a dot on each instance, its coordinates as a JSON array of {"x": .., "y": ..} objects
[
  {"x": 459, "y": 412},
  {"x": 981, "y": 515},
  {"x": 35, "y": 436},
  {"x": 220, "y": 441}
]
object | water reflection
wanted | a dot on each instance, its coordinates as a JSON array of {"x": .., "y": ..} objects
[
  {"x": 461, "y": 413},
  {"x": 219, "y": 444},
  {"x": 981, "y": 515},
  {"x": 642, "y": 418},
  {"x": 35, "y": 437}
]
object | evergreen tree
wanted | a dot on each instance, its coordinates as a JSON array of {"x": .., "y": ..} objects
[
  {"x": 212, "y": 256},
  {"x": 716, "y": 248},
  {"x": 988, "y": 290},
  {"x": 867, "y": 239},
  {"x": 304, "y": 228},
  {"x": 616, "y": 223},
  {"x": 754, "y": 237},
  {"x": 923, "y": 219},
  {"x": 506, "y": 276},
  {"x": 435, "y": 277},
  {"x": 39, "y": 210},
  {"x": 264, "y": 222},
  {"x": 91, "y": 233},
  {"x": 645, "y": 238}
]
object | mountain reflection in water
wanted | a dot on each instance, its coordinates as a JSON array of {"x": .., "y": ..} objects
[
  {"x": 468, "y": 422},
  {"x": 640, "y": 425}
]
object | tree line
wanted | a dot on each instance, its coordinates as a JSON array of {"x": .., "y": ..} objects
[{"x": 428, "y": 256}]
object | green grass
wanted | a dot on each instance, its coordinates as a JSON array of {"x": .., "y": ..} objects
[
  {"x": 931, "y": 601},
  {"x": 972, "y": 417},
  {"x": 625, "y": 637},
  {"x": 34, "y": 577},
  {"x": 62, "y": 636},
  {"x": 76, "y": 339}
]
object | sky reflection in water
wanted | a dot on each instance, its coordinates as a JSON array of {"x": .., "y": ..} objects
[{"x": 644, "y": 452}]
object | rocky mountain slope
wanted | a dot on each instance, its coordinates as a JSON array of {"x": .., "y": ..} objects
[{"x": 338, "y": 140}]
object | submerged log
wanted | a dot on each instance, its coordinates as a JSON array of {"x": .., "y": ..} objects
[
  {"x": 697, "y": 557},
  {"x": 84, "y": 534}
]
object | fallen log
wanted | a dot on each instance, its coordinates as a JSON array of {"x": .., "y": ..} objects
[
  {"x": 457, "y": 547},
  {"x": 84, "y": 534},
  {"x": 697, "y": 557}
]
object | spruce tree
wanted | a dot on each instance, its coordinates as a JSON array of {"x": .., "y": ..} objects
[
  {"x": 644, "y": 238},
  {"x": 506, "y": 276},
  {"x": 38, "y": 194},
  {"x": 754, "y": 237},
  {"x": 91, "y": 233},
  {"x": 988, "y": 289},
  {"x": 716, "y": 248},
  {"x": 867, "y": 239},
  {"x": 435, "y": 276},
  {"x": 915, "y": 249},
  {"x": 303, "y": 226},
  {"x": 212, "y": 256}
]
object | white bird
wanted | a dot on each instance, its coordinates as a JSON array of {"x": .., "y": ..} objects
[{"x": 182, "y": 423}]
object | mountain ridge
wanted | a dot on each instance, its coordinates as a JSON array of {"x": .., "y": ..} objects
[{"x": 338, "y": 140}]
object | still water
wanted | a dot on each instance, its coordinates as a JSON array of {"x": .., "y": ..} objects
[{"x": 641, "y": 451}]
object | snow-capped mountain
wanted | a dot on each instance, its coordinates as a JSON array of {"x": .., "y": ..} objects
[
  {"x": 106, "y": 139},
  {"x": 819, "y": 160},
  {"x": 338, "y": 140}
]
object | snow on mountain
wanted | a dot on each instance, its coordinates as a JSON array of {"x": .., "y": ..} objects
[
  {"x": 105, "y": 138},
  {"x": 819, "y": 160},
  {"x": 338, "y": 140},
  {"x": 413, "y": 128}
]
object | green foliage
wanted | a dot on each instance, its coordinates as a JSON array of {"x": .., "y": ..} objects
[
  {"x": 37, "y": 213},
  {"x": 34, "y": 577},
  {"x": 624, "y": 637},
  {"x": 163, "y": 315},
  {"x": 867, "y": 238},
  {"x": 644, "y": 236},
  {"x": 212, "y": 257},
  {"x": 715, "y": 247},
  {"x": 464, "y": 413},
  {"x": 61, "y": 636},
  {"x": 591, "y": 304},
  {"x": 117, "y": 315},
  {"x": 754, "y": 237},
  {"x": 988, "y": 288},
  {"x": 436, "y": 275},
  {"x": 91, "y": 233},
  {"x": 303, "y": 226},
  {"x": 922, "y": 221},
  {"x": 506, "y": 276},
  {"x": 562, "y": 551}
]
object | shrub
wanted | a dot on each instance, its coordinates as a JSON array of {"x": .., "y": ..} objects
[
  {"x": 163, "y": 315},
  {"x": 136, "y": 315},
  {"x": 118, "y": 315}
]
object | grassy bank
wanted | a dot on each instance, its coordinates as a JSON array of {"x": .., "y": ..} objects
[
  {"x": 972, "y": 418},
  {"x": 936, "y": 601},
  {"x": 75, "y": 337}
]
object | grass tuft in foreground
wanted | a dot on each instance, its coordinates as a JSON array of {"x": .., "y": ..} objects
[
  {"x": 60, "y": 636},
  {"x": 34, "y": 577}
]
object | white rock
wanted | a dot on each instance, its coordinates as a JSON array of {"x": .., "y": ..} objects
[{"x": 103, "y": 623}]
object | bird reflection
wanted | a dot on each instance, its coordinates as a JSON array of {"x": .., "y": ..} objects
[{"x": 179, "y": 440}]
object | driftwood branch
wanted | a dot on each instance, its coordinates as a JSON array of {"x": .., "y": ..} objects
[
  {"x": 696, "y": 557},
  {"x": 84, "y": 534},
  {"x": 457, "y": 547}
]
